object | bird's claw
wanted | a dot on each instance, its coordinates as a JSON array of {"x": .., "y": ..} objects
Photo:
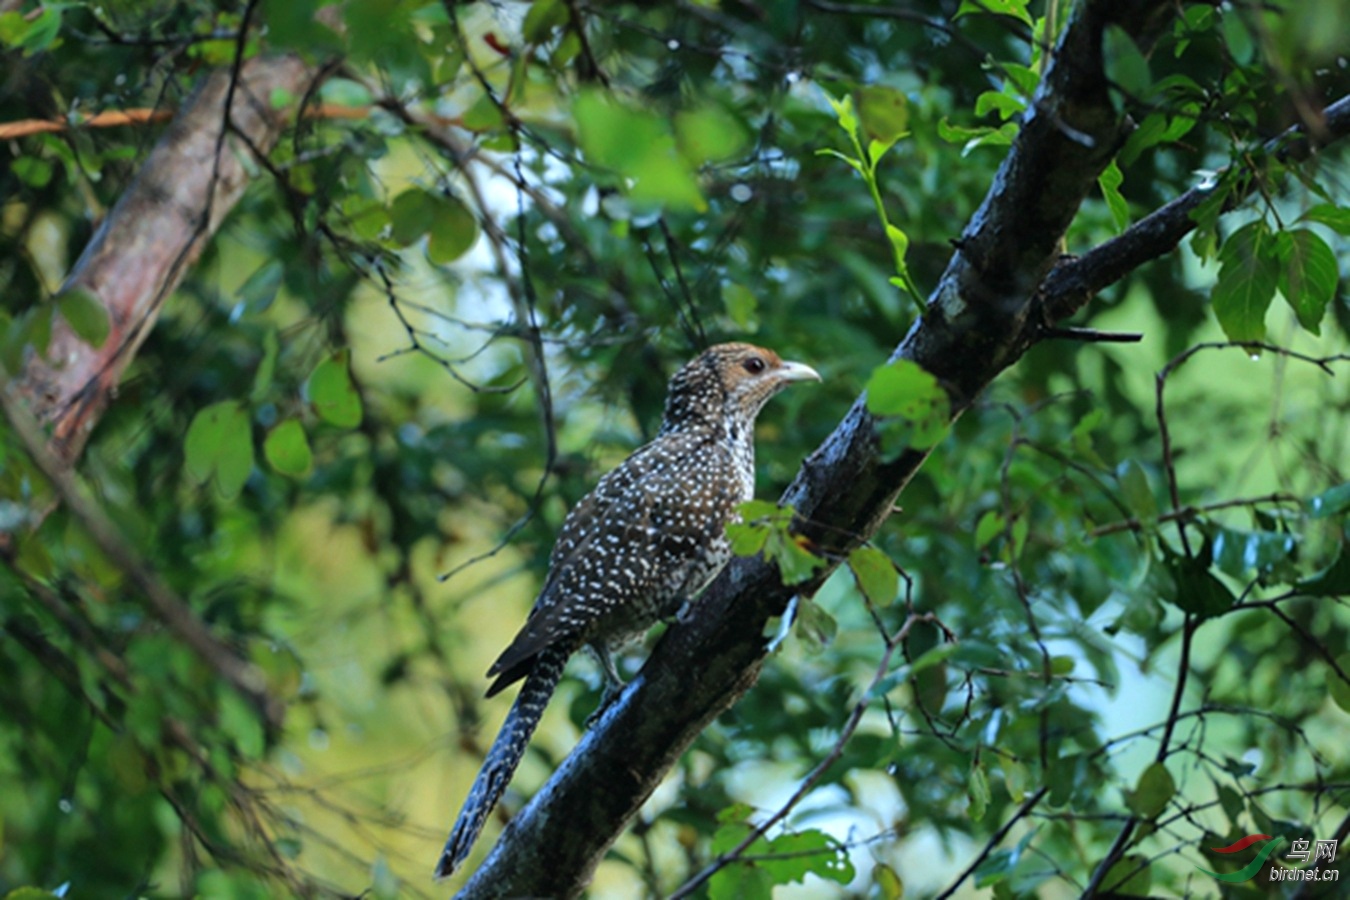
[{"x": 612, "y": 692}]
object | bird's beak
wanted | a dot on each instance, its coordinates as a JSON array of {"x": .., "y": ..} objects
[{"x": 795, "y": 371}]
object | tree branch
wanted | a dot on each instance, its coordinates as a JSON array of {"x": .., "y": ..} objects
[
  {"x": 151, "y": 238},
  {"x": 1075, "y": 282}
]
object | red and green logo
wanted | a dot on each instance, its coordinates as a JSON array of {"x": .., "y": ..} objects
[{"x": 1248, "y": 871}]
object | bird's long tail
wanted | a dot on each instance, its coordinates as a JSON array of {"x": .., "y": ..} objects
[{"x": 505, "y": 754}]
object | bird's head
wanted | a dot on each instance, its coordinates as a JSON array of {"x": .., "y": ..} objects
[{"x": 729, "y": 381}]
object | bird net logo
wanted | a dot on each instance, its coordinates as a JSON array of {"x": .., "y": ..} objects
[{"x": 1301, "y": 851}]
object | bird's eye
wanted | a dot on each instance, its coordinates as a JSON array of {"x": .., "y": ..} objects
[{"x": 754, "y": 365}]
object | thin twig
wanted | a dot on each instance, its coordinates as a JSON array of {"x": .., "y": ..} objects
[
  {"x": 241, "y": 675},
  {"x": 809, "y": 782},
  {"x": 1022, "y": 812}
]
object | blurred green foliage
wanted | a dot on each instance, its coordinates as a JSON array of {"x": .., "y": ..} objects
[{"x": 440, "y": 315}]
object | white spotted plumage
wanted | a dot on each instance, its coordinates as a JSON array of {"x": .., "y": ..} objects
[{"x": 648, "y": 538}]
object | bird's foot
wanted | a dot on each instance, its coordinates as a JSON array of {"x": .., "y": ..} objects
[{"x": 612, "y": 691}]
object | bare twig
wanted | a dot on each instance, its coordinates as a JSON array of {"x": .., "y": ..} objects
[{"x": 816, "y": 773}]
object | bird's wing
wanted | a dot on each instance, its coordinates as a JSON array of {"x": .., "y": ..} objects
[
  {"x": 589, "y": 515},
  {"x": 618, "y": 543}
]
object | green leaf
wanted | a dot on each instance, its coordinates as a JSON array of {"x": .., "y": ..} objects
[
  {"x": 234, "y": 459},
  {"x": 1126, "y": 65},
  {"x": 1232, "y": 803},
  {"x": 1023, "y": 79},
  {"x": 1240, "y": 552},
  {"x": 33, "y": 328},
  {"x": 127, "y": 763},
  {"x": 1241, "y": 45},
  {"x": 260, "y": 289},
  {"x": 855, "y": 164},
  {"x": 989, "y": 527},
  {"x": 1335, "y": 217},
  {"x": 740, "y": 881},
  {"x": 815, "y": 626},
  {"x": 888, "y": 882},
  {"x": 1204, "y": 242},
  {"x": 543, "y": 18},
  {"x": 1081, "y": 436},
  {"x": 331, "y": 391},
  {"x": 899, "y": 244},
  {"x": 736, "y": 813},
  {"x": 758, "y": 520},
  {"x": 639, "y": 146},
  {"x": 997, "y": 866},
  {"x": 664, "y": 180},
  {"x": 345, "y": 92},
  {"x": 219, "y": 447},
  {"x": 875, "y": 574},
  {"x": 789, "y": 858},
  {"x": 1333, "y": 581},
  {"x": 384, "y": 884},
  {"x": 1021, "y": 530},
  {"x": 1110, "y": 181},
  {"x": 844, "y": 113},
  {"x": 200, "y": 447},
  {"x": 485, "y": 114},
  {"x": 1014, "y": 778},
  {"x": 41, "y": 32},
  {"x": 904, "y": 390},
  {"x": 13, "y": 26},
  {"x": 1061, "y": 777},
  {"x": 1197, "y": 590},
  {"x": 411, "y": 215},
  {"x": 933, "y": 657},
  {"x": 1153, "y": 792},
  {"x": 955, "y": 134},
  {"x": 1135, "y": 490},
  {"x": 29, "y": 893},
  {"x": 737, "y": 879},
  {"x": 1149, "y": 133},
  {"x": 240, "y": 723},
  {"x": 453, "y": 231},
  {"x": 741, "y": 305},
  {"x": 1331, "y": 502},
  {"x": 33, "y": 171},
  {"x": 977, "y": 793},
  {"x": 287, "y": 449},
  {"x": 85, "y": 315},
  {"x": 747, "y": 540},
  {"x": 1015, "y": 8},
  {"x": 1062, "y": 665},
  {"x": 1129, "y": 877},
  {"x": 883, "y": 112},
  {"x": 795, "y": 562},
  {"x": 766, "y": 510},
  {"x": 267, "y": 366},
  {"x": 710, "y": 134},
  {"x": 1337, "y": 686},
  {"x": 1248, "y": 276},
  {"x": 1007, "y": 105},
  {"x": 1308, "y": 275}
]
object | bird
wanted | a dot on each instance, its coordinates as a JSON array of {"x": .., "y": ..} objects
[{"x": 634, "y": 551}]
